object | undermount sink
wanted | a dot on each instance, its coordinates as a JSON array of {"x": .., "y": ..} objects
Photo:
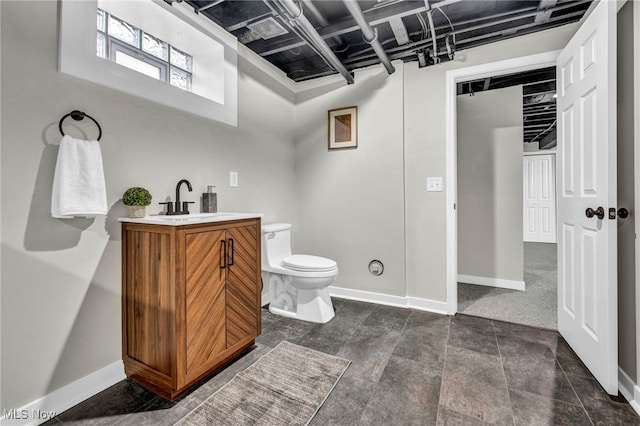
[
  {"x": 183, "y": 219},
  {"x": 192, "y": 216}
]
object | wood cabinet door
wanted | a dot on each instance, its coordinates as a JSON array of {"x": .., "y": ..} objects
[
  {"x": 242, "y": 290},
  {"x": 205, "y": 300}
]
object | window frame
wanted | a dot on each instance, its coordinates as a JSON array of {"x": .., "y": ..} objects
[
  {"x": 114, "y": 44},
  {"x": 78, "y": 57}
]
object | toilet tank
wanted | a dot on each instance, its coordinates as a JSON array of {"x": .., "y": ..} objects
[{"x": 276, "y": 244}]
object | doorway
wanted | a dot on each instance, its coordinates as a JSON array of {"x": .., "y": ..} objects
[
  {"x": 587, "y": 259},
  {"x": 532, "y": 62},
  {"x": 506, "y": 198}
]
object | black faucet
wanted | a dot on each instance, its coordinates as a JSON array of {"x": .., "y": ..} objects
[{"x": 184, "y": 208}]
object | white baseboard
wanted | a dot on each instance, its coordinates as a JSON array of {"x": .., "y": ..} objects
[
  {"x": 629, "y": 390},
  {"x": 491, "y": 282},
  {"x": 368, "y": 296},
  {"x": 427, "y": 305},
  {"x": 389, "y": 300},
  {"x": 50, "y": 405}
]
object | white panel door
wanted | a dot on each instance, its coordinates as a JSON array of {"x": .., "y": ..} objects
[
  {"x": 539, "y": 189},
  {"x": 587, "y": 246}
]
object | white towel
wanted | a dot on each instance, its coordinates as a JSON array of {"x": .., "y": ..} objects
[{"x": 78, "y": 182}]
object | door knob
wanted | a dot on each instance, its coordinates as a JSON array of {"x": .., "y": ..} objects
[
  {"x": 599, "y": 212},
  {"x": 623, "y": 213}
]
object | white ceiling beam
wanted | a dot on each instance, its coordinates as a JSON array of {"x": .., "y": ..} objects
[
  {"x": 399, "y": 31},
  {"x": 545, "y": 13}
]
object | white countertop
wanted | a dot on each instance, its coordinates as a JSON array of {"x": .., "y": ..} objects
[{"x": 189, "y": 219}]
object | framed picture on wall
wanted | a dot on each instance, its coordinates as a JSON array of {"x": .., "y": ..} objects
[{"x": 343, "y": 128}]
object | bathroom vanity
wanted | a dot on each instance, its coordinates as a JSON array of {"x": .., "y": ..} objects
[{"x": 191, "y": 296}]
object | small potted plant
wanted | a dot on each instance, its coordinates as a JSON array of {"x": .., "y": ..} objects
[{"x": 136, "y": 199}]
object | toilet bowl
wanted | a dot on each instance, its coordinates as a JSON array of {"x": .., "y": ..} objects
[{"x": 298, "y": 283}]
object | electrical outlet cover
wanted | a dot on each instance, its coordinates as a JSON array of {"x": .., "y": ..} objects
[{"x": 434, "y": 184}]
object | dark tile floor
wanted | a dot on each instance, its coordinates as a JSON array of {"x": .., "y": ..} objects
[{"x": 409, "y": 368}]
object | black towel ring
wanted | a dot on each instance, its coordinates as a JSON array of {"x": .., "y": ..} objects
[{"x": 79, "y": 115}]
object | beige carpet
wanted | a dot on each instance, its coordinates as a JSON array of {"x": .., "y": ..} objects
[
  {"x": 287, "y": 386},
  {"x": 536, "y": 306}
]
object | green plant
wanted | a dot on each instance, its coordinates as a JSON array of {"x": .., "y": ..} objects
[{"x": 136, "y": 196}]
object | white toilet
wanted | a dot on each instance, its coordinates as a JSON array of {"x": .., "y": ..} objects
[{"x": 299, "y": 283}]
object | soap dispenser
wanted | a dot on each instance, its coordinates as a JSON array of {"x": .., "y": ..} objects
[{"x": 210, "y": 200}]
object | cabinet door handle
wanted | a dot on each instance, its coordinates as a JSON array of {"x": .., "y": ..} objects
[
  {"x": 223, "y": 247},
  {"x": 233, "y": 251}
]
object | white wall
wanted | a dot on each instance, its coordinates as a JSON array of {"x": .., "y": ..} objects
[
  {"x": 351, "y": 202},
  {"x": 60, "y": 311},
  {"x": 490, "y": 185}
]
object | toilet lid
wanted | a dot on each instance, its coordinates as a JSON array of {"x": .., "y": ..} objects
[{"x": 308, "y": 263}]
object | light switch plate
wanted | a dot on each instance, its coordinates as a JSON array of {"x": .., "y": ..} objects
[
  {"x": 434, "y": 184},
  {"x": 233, "y": 179}
]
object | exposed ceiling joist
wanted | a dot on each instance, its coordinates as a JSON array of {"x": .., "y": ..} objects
[
  {"x": 296, "y": 15},
  {"x": 208, "y": 6},
  {"x": 374, "y": 17},
  {"x": 408, "y": 50},
  {"x": 404, "y": 9},
  {"x": 400, "y": 29}
]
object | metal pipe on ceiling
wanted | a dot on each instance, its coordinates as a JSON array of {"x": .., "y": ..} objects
[
  {"x": 296, "y": 16},
  {"x": 370, "y": 36},
  {"x": 434, "y": 39},
  {"x": 321, "y": 19}
]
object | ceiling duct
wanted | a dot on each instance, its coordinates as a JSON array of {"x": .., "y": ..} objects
[
  {"x": 370, "y": 36},
  {"x": 297, "y": 18},
  {"x": 267, "y": 28}
]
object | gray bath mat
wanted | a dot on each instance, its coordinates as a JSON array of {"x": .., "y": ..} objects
[{"x": 287, "y": 386}]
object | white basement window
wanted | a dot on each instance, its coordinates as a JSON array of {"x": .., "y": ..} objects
[
  {"x": 124, "y": 44},
  {"x": 147, "y": 48}
]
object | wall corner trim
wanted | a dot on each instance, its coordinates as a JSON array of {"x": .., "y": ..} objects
[
  {"x": 66, "y": 397},
  {"x": 491, "y": 282},
  {"x": 629, "y": 390},
  {"x": 389, "y": 300}
]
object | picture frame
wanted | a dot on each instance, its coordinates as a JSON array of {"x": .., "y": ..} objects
[{"x": 342, "y": 128}]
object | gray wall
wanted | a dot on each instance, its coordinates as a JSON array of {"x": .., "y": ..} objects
[
  {"x": 351, "y": 202},
  {"x": 626, "y": 189},
  {"x": 61, "y": 278},
  {"x": 490, "y": 184}
]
